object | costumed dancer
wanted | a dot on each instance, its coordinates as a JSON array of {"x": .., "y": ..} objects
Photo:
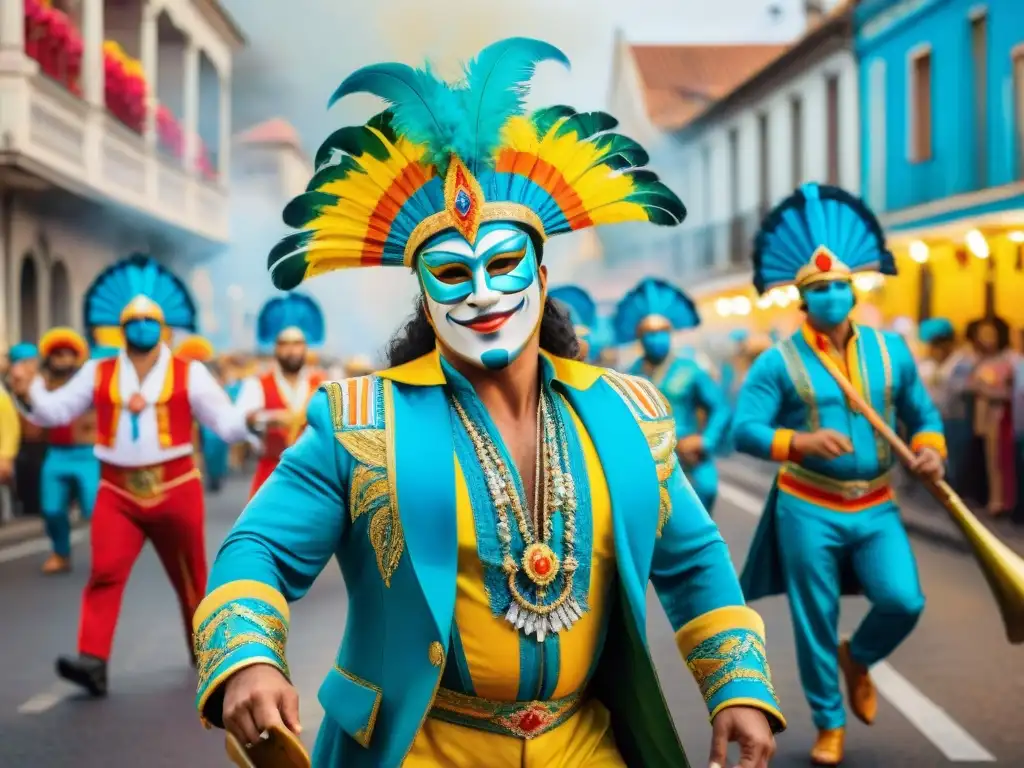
[
  {"x": 70, "y": 469},
  {"x": 28, "y": 465},
  {"x": 214, "y": 451},
  {"x": 831, "y": 526},
  {"x": 497, "y": 510},
  {"x": 145, "y": 401},
  {"x": 946, "y": 372},
  {"x": 275, "y": 402},
  {"x": 651, "y": 312},
  {"x": 582, "y": 311}
]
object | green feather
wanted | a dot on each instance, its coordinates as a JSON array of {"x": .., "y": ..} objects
[
  {"x": 587, "y": 124},
  {"x": 303, "y": 209},
  {"x": 544, "y": 119},
  {"x": 344, "y": 167}
]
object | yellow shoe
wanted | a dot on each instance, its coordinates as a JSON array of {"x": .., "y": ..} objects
[
  {"x": 56, "y": 564},
  {"x": 860, "y": 689},
  {"x": 828, "y": 749}
]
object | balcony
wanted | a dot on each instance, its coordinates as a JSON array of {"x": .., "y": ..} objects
[{"x": 78, "y": 111}]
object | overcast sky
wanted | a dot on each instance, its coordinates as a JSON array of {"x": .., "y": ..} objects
[{"x": 299, "y": 51}]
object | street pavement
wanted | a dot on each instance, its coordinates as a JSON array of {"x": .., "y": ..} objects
[{"x": 953, "y": 693}]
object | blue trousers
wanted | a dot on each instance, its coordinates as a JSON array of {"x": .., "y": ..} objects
[
  {"x": 814, "y": 542},
  {"x": 704, "y": 479},
  {"x": 67, "y": 470},
  {"x": 215, "y": 456}
]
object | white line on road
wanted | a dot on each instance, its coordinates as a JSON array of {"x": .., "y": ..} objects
[
  {"x": 928, "y": 717},
  {"x": 47, "y": 700},
  {"x": 36, "y": 546}
]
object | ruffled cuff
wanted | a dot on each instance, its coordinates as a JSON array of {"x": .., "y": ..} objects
[
  {"x": 237, "y": 625},
  {"x": 724, "y": 649},
  {"x": 934, "y": 440}
]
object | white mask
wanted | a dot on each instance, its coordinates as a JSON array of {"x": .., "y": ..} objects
[{"x": 484, "y": 298}]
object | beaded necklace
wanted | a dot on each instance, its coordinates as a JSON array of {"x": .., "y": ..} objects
[{"x": 539, "y": 563}]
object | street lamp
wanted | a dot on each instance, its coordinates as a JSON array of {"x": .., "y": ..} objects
[
  {"x": 977, "y": 244},
  {"x": 919, "y": 251}
]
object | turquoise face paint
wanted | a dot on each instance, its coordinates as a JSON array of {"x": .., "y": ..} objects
[
  {"x": 829, "y": 303},
  {"x": 657, "y": 345},
  {"x": 483, "y": 298},
  {"x": 143, "y": 334}
]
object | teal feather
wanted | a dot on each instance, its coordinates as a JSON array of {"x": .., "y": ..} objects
[
  {"x": 303, "y": 209},
  {"x": 496, "y": 88},
  {"x": 286, "y": 261},
  {"x": 619, "y": 152},
  {"x": 544, "y": 119},
  {"x": 425, "y": 110}
]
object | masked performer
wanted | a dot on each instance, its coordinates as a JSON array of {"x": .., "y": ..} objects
[
  {"x": 582, "y": 311},
  {"x": 650, "y": 313},
  {"x": 70, "y": 468},
  {"x": 276, "y": 401},
  {"x": 497, "y": 510},
  {"x": 146, "y": 402},
  {"x": 831, "y": 525}
]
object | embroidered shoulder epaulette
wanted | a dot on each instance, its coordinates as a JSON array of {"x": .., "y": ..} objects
[
  {"x": 356, "y": 403},
  {"x": 642, "y": 397}
]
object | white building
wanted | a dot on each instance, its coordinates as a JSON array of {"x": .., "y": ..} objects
[
  {"x": 79, "y": 188},
  {"x": 794, "y": 120}
]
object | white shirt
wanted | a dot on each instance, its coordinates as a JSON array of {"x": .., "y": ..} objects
[
  {"x": 210, "y": 406},
  {"x": 251, "y": 400}
]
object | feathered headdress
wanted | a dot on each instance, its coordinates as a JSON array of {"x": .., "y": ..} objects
[
  {"x": 136, "y": 287},
  {"x": 935, "y": 328},
  {"x": 292, "y": 312},
  {"x": 64, "y": 338},
  {"x": 195, "y": 348},
  {"x": 451, "y": 156},
  {"x": 818, "y": 233},
  {"x": 653, "y": 305},
  {"x": 22, "y": 351},
  {"x": 579, "y": 304}
]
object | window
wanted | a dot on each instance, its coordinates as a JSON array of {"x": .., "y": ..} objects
[
  {"x": 1018, "y": 102},
  {"x": 763, "y": 151},
  {"x": 796, "y": 137},
  {"x": 734, "y": 171},
  {"x": 832, "y": 128},
  {"x": 877, "y": 144},
  {"x": 921, "y": 106},
  {"x": 979, "y": 67}
]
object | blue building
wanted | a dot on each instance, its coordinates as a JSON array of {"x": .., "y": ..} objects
[{"x": 942, "y": 117}]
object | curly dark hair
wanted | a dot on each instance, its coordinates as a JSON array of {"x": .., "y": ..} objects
[{"x": 416, "y": 338}]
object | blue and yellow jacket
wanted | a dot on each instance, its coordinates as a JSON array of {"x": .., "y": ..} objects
[{"x": 377, "y": 481}]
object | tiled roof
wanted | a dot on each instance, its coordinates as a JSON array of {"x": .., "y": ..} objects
[
  {"x": 681, "y": 81},
  {"x": 274, "y": 131}
]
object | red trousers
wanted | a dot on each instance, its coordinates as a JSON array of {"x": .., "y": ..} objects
[
  {"x": 174, "y": 522},
  {"x": 264, "y": 467}
]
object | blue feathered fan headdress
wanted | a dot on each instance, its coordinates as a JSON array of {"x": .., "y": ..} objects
[
  {"x": 580, "y": 305},
  {"x": 451, "y": 156},
  {"x": 655, "y": 304},
  {"x": 294, "y": 310},
  {"x": 133, "y": 277},
  {"x": 820, "y": 232},
  {"x": 935, "y": 328}
]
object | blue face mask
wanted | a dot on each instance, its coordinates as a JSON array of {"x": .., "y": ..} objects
[
  {"x": 829, "y": 304},
  {"x": 143, "y": 334},
  {"x": 657, "y": 345}
]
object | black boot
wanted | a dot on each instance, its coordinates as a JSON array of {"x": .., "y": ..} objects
[{"x": 87, "y": 671}]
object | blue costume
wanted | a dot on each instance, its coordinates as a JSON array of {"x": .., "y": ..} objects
[
  {"x": 70, "y": 469},
  {"x": 650, "y": 312},
  {"x": 583, "y": 313},
  {"x": 475, "y": 636},
  {"x": 831, "y": 527}
]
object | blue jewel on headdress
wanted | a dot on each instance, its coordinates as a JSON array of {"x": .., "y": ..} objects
[{"x": 462, "y": 202}]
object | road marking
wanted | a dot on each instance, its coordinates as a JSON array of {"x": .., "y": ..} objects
[
  {"x": 929, "y": 718},
  {"x": 37, "y": 546},
  {"x": 47, "y": 700}
]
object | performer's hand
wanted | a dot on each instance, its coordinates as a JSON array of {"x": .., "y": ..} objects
[
  {"x": 822, "y": 444},
  {"x": 749, "y": 728},
  {"x": 929, "y": 465},
  {"x": 6, "y": 471},
  {"x": 20, "y": 377},
  {"x": 257, "y": 698},
  {"x": 691, "y": 450}
]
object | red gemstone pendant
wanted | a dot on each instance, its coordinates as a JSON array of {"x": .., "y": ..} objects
[
  {"x": 136, "y": 403},
  {"x": 541, "y": 564}
]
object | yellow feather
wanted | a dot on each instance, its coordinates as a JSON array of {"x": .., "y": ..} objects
[
  {"x": 519, "y": 134},
  {"x": 616, "y": 213},
  {"x": 599, "y": 186},
  {"x": 327, "y": 226}
]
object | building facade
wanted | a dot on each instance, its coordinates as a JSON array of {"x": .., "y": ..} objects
[
  {"x": 114, "y": 118},
  {"x": 942, "y": 89}
]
